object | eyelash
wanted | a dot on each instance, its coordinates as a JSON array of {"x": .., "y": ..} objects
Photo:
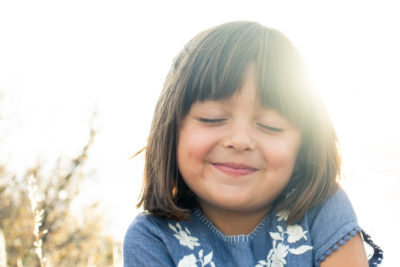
[
  {"x": 269, "y": 128},
  {"x": 205, "y": 120}
]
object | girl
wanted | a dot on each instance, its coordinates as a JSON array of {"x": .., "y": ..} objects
[{"x": 242, "y": 162}]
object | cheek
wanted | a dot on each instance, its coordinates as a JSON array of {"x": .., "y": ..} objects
[
  {"x": 194, "y": 146},
  {"x": 281, "y": 155},
  {"x": 194, "y": 149}
]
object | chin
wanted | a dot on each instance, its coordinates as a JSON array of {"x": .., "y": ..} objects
[{"x": 235, "y": 205}]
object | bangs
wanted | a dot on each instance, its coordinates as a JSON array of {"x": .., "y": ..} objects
[
  {"x": 217, "y": 64},
  {"x": 214, "y": 62},
  {"x": 282, "y": 80}
]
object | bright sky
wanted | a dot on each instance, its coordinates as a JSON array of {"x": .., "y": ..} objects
[{"x": 61, "y": 60}]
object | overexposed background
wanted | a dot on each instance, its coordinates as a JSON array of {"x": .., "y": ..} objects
[{"x": 62, "y": 60}]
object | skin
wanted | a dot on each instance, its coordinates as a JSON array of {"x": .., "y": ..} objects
[
  {"x": 237, "y": 157},
  {"x": 351, "y": 254}
]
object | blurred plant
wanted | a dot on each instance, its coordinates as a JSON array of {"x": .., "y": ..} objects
[
  {"x": 3, "y": 253},
  {"x": 38, "y": 219},
  {"x": 41, "y": 200}
]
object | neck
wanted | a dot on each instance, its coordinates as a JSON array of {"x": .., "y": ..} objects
[{"x": 233, "y": 223}]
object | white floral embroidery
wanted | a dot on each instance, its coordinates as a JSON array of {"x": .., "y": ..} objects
[
  {"x": 295, "y": 233},
  {"x": 276, "y": 256},
  {"x": 186, "y": 240},
  {"x": 188, "y": 261},
  {"x": 184, "y": 237},
  {"x": 191, "y": 260},
  {"x": 300, "y": 250},
  {"x": 283, "y": 215}
]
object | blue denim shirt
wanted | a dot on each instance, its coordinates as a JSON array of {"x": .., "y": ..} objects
[{"x": 153, "y": 241}]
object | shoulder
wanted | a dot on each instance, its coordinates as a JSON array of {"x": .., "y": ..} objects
[
  {"x": 144, "y": 243},
  {"x": 331, "y": 220},
  {"x": 142, "y": 226},
  {"x": 332, "y": 224},
  {"x": 143, "y": 223},
  {"x": 335, "y": 209},
  {"x": 154, "y": 241}
]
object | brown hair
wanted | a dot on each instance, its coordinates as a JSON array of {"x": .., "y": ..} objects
[{"x": 211, "y": 66}]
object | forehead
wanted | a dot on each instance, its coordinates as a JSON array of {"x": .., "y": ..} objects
[{"x": 247, "y": 87}]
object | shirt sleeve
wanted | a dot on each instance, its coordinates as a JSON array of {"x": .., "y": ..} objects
[
  {"x": 332, "y": 224},
  {"x": 143, "y": 245}
]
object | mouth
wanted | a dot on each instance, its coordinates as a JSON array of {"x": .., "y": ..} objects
[{"x": 235, "y": 169}]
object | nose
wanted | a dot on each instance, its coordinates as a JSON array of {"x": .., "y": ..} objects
[{"x": 239, "y": 139}]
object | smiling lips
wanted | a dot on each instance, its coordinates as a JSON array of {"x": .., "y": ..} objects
[{"x": 235, "y": 169}]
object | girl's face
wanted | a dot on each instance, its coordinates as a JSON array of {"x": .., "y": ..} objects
[{"x": 236, "y": 155}]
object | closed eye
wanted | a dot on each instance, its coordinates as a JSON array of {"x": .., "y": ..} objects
[
  {"x": 270, "y": 128},
  {"x": 206, "y": 120}
]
